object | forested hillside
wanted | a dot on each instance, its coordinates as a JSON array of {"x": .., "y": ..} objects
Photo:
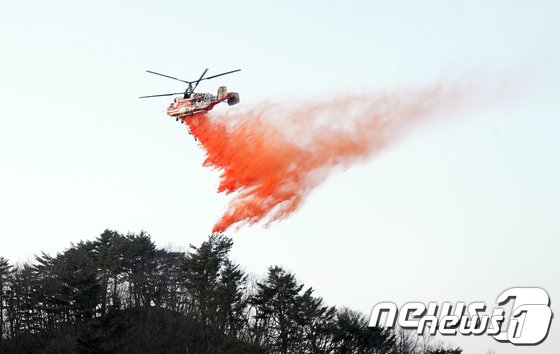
[{"x": 122, "y": 294}]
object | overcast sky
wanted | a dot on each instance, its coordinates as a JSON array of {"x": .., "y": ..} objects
[{"x": 460, "y": 209}]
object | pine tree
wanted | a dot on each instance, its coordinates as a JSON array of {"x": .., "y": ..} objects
[
  {"x": 5, "y": 280},
  {"x": 276, "y": 305},
  {"x": 315, "y": 323},
  {"x": 109, "y": 249}
]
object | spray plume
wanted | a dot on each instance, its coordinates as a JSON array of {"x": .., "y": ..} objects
[{"x": 272, "y": 155}]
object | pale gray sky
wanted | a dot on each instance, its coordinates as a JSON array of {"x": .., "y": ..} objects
[{"x": 460, "y": 209}]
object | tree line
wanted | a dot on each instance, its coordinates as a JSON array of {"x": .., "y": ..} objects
[{"x": 122, "y": 294}]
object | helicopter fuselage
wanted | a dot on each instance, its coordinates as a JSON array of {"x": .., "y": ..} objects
[{"x": 200, "y": 103}]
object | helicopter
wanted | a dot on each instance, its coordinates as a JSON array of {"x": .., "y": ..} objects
[{"x": 196, "y": 103}]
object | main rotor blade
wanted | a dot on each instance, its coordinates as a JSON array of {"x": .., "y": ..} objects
[
  {"x": 198, "y": 81},
  {"x": 229, "y": 72},
  {"x": 167, "y": 76},
  {"x": 164, "y": 94}
]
